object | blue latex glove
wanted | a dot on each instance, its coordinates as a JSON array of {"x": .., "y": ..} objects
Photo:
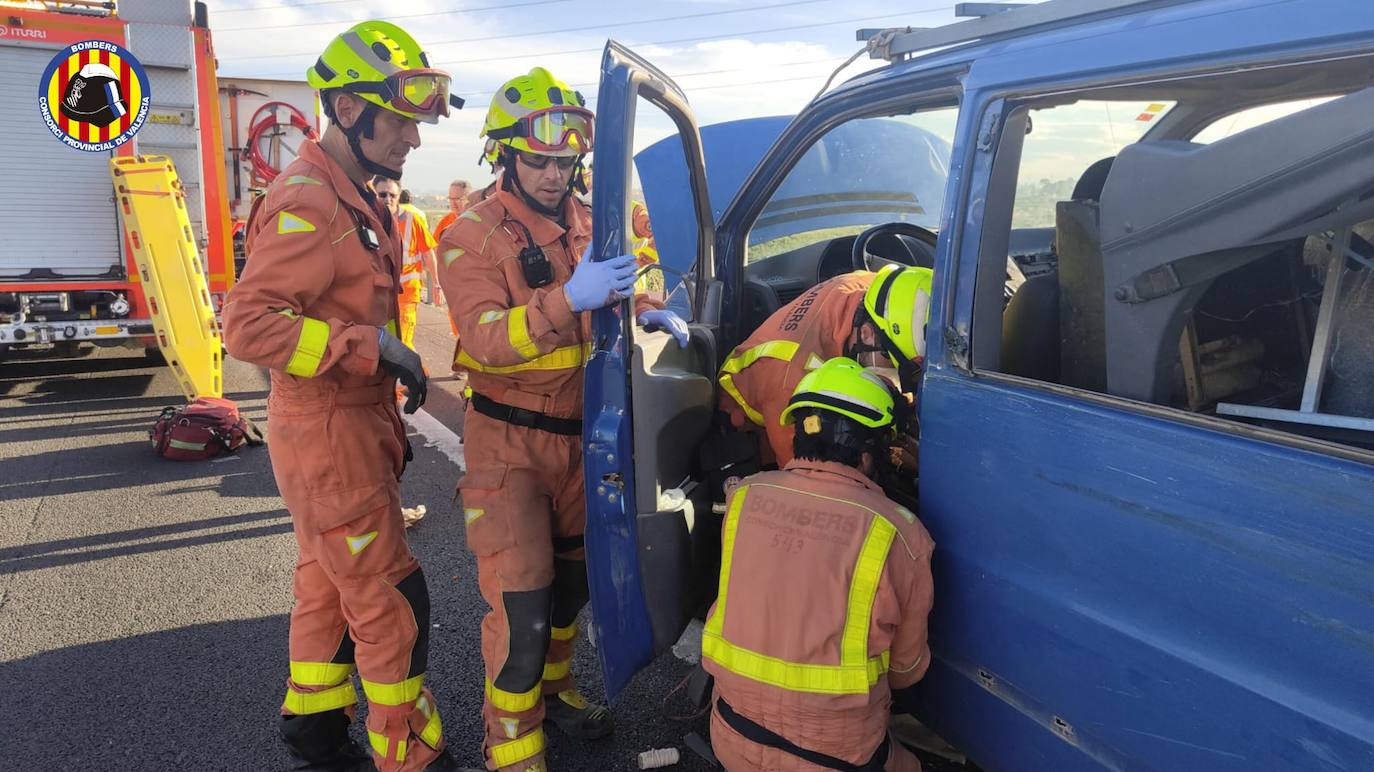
[
  {"x": 599, "y": 284},
  {"x": 663, "y": 319}
]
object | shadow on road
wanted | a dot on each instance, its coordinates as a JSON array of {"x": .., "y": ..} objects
[
  {"x": 30, "y": 557},
  {"x": 202, "y": 697},
  {"x": 121, "y": 465}
]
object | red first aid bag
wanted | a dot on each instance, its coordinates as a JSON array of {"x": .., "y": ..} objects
[{"x": 206, "y": 428}]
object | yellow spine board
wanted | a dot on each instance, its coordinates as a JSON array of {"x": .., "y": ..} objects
[{"x": 153, "y": 209}]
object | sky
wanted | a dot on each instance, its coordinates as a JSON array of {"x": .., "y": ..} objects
[{"x": 733, "y": 59}]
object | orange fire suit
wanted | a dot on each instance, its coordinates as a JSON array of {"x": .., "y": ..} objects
[
  {"x": 825, "y": 588},
  {"x": 523, "y": 350},
  {"x": 415, "y": 242},
  {"x": 309, "y": 306},
  {"x": 759, "y": 376}
]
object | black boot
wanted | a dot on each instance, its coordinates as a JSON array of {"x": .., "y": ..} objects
[
  {"x": 570, "y": 712},
  {"x": 319, "y": 742}
]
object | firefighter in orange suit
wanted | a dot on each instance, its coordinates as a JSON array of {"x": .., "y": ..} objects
[
  {"x": 848, "y": 315},
  {"x": 318, "y": 305},
  {"x": 519, "y": 293},
  {"x": 820, "y": 616}
]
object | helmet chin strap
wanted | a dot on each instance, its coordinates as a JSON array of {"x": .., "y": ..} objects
[{"x": 362, "y": 129}]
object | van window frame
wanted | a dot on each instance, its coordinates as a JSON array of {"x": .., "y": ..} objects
[{"x": 1001, "y": 120}]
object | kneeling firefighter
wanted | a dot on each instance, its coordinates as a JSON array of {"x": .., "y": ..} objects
[
  {"x": 849, "y": 315},
  {"x": 317, "y": 305},
  {"x": 521, "y": 298},
  {"x": 820, "y": 616}
]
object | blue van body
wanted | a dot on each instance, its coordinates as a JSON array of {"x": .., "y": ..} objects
[{"x": 1120, "y": 584}]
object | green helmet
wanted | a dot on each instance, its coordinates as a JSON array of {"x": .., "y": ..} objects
[
  {"x": 384, "y": 65},
  {"x": 538, "y": 113},
  {"x": 842, "y": 386},
  {"x": 898, "y": 302}
]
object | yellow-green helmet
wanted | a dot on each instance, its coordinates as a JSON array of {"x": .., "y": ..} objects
[
  {"x": 540, "y": 114},
  {"x": 898, "y": 302},
  {"x": 842, "y": 385},
  {"x": 383, "y": 64}
]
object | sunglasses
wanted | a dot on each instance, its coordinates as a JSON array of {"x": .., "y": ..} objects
[
  {"x": 387, "y": 195},
  {"x": 564, "y": 163}
]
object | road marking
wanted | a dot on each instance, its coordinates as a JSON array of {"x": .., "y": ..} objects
[{"x": 438, "y": 436}]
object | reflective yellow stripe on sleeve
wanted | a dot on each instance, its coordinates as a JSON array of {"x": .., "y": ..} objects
[
  {"x": 564, "y": 633},
  {"x": 856, "y": 672},
  {"x": 310, "y": 348},
  {"x": 782, "y": 350},
  {"x": 510, "y": 701},
  {"x": 320, "y": 673},
  {"x": 516, "y": 751},
  {"x": 394, "y": 694},
  {"x": 306, "y": 703},
  {"x": 558, "y": 359},
  {"x": 519, "y": 333}
]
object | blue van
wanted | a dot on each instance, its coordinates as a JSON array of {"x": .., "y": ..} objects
[{"x": 1147, "y": 414}]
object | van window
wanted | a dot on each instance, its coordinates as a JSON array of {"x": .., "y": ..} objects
[
  {"x": 1064, "y": 141},
  {"x": 1254, "y": 116},
  {"x": 1230, "y": 276}
]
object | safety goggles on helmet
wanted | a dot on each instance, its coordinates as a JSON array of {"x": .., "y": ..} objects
[
  {"x": 552, "y": 129},
  {"x": 424, "y": 92}
]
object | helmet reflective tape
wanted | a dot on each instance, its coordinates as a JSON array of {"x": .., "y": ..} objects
[
  {"x": 844, "y": 387},
  {"x": 375, "y": 59},
  {"x": 369, "y": 54}
]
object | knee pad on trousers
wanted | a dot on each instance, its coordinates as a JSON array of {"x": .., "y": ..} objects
[
  {"x": 527, "y": 625},
  {"x": 570, "y": 591},
  {"x": 317, "y": 737},
  {"x": 416, "y": 593}
]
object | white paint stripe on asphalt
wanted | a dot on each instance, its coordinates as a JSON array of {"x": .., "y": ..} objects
[{"x": 438, "y": 436}]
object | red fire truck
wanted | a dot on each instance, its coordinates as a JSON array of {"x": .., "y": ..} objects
[{"x": 67, "y": 274}]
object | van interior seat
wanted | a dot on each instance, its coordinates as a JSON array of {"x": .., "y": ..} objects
[{"x": 1031, "y": 335}]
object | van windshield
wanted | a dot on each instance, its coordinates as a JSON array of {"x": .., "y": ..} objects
[{"x": 859, "y": 174}]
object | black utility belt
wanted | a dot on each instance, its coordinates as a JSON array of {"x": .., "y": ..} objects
[
  {"x": 529, "y": 419},
  {"x": 762, "y": 735}
]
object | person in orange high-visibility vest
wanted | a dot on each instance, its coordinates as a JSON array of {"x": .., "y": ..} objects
[
  {"x": 825, "y": 588},
  {"x": 417, "y": 249}
]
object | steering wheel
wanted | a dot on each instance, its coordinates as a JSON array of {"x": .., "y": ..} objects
[{"x": 925, "y": 238}]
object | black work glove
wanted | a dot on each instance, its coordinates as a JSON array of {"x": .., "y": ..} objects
[{"x": 399, "y": 361}]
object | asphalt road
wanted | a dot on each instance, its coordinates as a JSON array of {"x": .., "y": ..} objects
[{"x": 143, "y": 602}]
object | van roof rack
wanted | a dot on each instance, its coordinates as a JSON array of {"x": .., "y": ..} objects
[{"x": 997, "y": 20}]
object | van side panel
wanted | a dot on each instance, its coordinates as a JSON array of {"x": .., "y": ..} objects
[{"x": 1175, "y": 597}]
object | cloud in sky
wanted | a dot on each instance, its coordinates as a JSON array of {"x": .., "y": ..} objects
[{"x": 733, "y": 59}]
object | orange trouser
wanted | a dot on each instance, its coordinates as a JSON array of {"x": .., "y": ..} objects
[
  {"x": 360, "y": 595},
  {"x": 522, "y": 500},
  {"x": 737, "y": 753}
]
